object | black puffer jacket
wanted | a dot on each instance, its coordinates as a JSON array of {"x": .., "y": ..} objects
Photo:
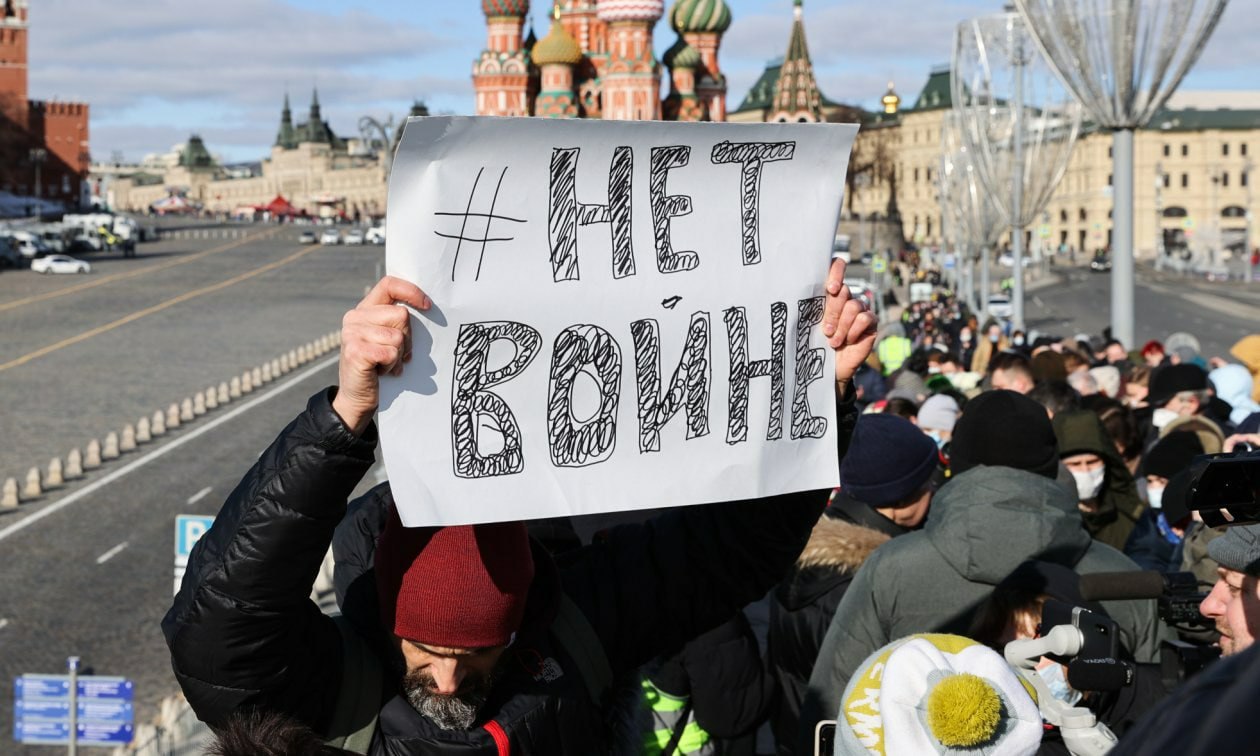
[
  {"x": 243, "y": 632},
  {"x": 802, "y": 605}
]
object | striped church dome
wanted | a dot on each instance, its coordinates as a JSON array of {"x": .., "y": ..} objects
[
  {"x": 630, "y": 10},
  {"x": 700, "y": 16},
  {"x": 513, "y": 8}
]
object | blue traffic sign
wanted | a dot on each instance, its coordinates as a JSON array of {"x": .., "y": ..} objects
[
  {"x": 41, "y": 710},
  {"x": 188, "y": 530}
]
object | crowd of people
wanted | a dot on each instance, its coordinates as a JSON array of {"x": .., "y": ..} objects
[{"x": 982, "y": 473}]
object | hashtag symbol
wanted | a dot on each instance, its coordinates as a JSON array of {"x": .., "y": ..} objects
[{"x": 489, "y": 217}]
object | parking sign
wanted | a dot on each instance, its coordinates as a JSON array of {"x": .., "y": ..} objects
[{"x": 188, "y": 530}]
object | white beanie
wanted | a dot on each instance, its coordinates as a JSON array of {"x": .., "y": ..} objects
[
  {"x": 1108, "y": 379},
  {"x": 939, "y": 412},
  {"x": 936, "y": 694}
]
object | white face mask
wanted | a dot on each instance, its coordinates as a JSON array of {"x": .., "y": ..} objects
[
  {"x": 1088, "y": 484},
  {"x": 1155, "y": 497},
  {"x": 1056, "y": 681},
  {"x": 1162, "y": 417}
]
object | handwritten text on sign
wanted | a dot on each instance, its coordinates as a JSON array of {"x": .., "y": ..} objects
[{"x": 625, "y": 315}]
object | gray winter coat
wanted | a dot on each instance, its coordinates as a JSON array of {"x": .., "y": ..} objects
[{"x": 983, "y": 524}]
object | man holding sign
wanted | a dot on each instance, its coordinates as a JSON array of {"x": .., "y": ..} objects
[{"x": 480, "y": 642}]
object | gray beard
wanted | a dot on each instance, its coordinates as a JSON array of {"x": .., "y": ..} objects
[{"x": 455, "y": 712}]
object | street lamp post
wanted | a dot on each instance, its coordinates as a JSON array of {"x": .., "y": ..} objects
[
  {"x": 1122, "y": 59},
  {"x": 38, "y": 155},
  {"x": 1159, "y": 216},
  {"x": 1246, "y": 179}
]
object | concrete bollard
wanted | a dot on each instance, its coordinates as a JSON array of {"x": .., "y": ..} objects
[
  {"x": 9, "y": 499},
  {"x": 144, "y": 433},
  {"x": 158, "y": 423},
  {"x": 128, "y": 441},
  {"x": 295, "y": 358},
  {"x": 186, "y": 413},
  {"x": 92, "y": 459},
  {"x": 276, "y": 372},
  {"x": 172, "y": 416},
  {"x": 198, "y": 404},
  {"x": 74, "y": 465},
  {"x": 54, "y": 477},
  {"x": 336, "y": 339},
  {"x": 224, "y": 393},
  {"x": 310, "y": 351},
  {"x": 285, "y": 364},
  {"x": 255, "y": 375},
  {"x": 247, "y": 382},
  {"x": 110, "y": 449},
  {"x": 266, "y": 372},
  {"x": 211, "y": 398},
  {"x": 324, "y": 346},
  {"x": 234, "y": 388},
  {"x": 32, "y": 489}
]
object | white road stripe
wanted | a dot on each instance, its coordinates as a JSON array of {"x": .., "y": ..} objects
[
  {"x": 3, "y": 623},
  {"x": 136, "y": 464},
  {"x": 108, "y": 555},
  {"x": 199, "y": 495}
]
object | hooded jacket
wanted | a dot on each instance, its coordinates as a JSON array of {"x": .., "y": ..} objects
[
  {"x": 1119, "y": 505},
  {"x": 984, "y": 523},
  {"x": 1247, "y": 350},
  {"x": 1234, "y": 385},
  {"x": 243, "y": 632},
  {"x": 802, "y": 606}
]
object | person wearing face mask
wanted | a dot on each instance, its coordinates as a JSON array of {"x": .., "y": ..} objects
[
  {"x": 1108, "y": 497},
  {"x": 1156, "y": 541},
  {"x": 937, "y": 416},
  {"x": 1014, "y": 612},
  {"x": 990, "y": 343}
]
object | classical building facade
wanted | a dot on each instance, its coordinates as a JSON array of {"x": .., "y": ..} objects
[
  {"x": 1194, "y": 174},
  {"x": 597, "y": 61},
  {"x": 44, "y": 143},
  {"x": 312, "y": 168}
]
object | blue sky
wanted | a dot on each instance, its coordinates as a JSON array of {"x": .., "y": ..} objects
[{"x": 155, "y": 71}]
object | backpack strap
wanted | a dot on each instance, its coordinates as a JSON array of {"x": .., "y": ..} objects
[
  {"x": 579, "y": 640},
  {"x": 359, "y": 701}
]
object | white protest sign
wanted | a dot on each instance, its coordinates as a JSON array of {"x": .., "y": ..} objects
[{"x": 625, "y": 315}]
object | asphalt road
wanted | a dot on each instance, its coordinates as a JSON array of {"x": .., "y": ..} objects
[{"x": 88, "y": 568}]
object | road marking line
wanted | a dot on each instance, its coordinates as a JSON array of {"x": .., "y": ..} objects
[
  {"x": 124, "y": 276},
  {"x": 186, "y": 296},
  {"x": 3, "y": 623},
  {"x": 108, "y": 555},
  {"x": 92, "y": 488},
  {"x": 199, "y": 495}
]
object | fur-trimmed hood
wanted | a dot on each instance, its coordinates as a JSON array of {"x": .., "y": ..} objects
[{"x": 839, "y": 544}]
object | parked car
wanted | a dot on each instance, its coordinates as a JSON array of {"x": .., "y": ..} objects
[
  {"x": 307, "y": 237},
  {"x": 330, "y": 236},
  {"x": 60, "y": 264},
  {"x": 375, "y": 235},
  {"x": 1007, "y": 260},
  {"x": 354, "y": 236},
  {"x": 1000, "y": 307},
  {"x": 1100, "y": 264}
]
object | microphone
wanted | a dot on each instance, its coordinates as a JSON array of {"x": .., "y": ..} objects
[
  {"x": 1099, "y": 674},
  {"x": 1120, "y": 586}
]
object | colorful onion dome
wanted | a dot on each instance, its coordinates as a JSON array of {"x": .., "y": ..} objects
[
  {"x": 557, "y": 47},
  {"x": 682, "y": 55},
  {"x": 512, "y": 8},
  {"x": 630, "y": 10},
  {"x": 700, "y": 16}
]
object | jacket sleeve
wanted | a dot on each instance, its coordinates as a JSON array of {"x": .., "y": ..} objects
[
  {"x": 854, "y": 634},
  {"x": 648, "y": 589},
  {"x": 243, "y": 630},
  {"x": 731, "y": 690}
]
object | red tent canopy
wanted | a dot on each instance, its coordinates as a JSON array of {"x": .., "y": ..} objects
[{"x": 280, "y": 206}]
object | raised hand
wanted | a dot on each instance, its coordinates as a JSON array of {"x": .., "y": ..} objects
[
  {"x": 375, "y": 340},
  {"x": 850, "y": 329}
]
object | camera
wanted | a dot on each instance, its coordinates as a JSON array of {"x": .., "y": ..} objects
[{"x": 1225, "y": 488}]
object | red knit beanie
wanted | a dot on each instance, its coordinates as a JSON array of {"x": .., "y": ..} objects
[{"x": 457, "y": 587}]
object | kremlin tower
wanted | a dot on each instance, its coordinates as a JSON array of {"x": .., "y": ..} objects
[{"x": 597, "y": 61}]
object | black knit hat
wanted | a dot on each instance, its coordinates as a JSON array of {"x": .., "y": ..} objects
[
  {"x": 1007, "y": 429},
  {"x": 889, "y": 459},
  {"x": 1172, "y": 454},
  {"x": 1168, "y": 381}
]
